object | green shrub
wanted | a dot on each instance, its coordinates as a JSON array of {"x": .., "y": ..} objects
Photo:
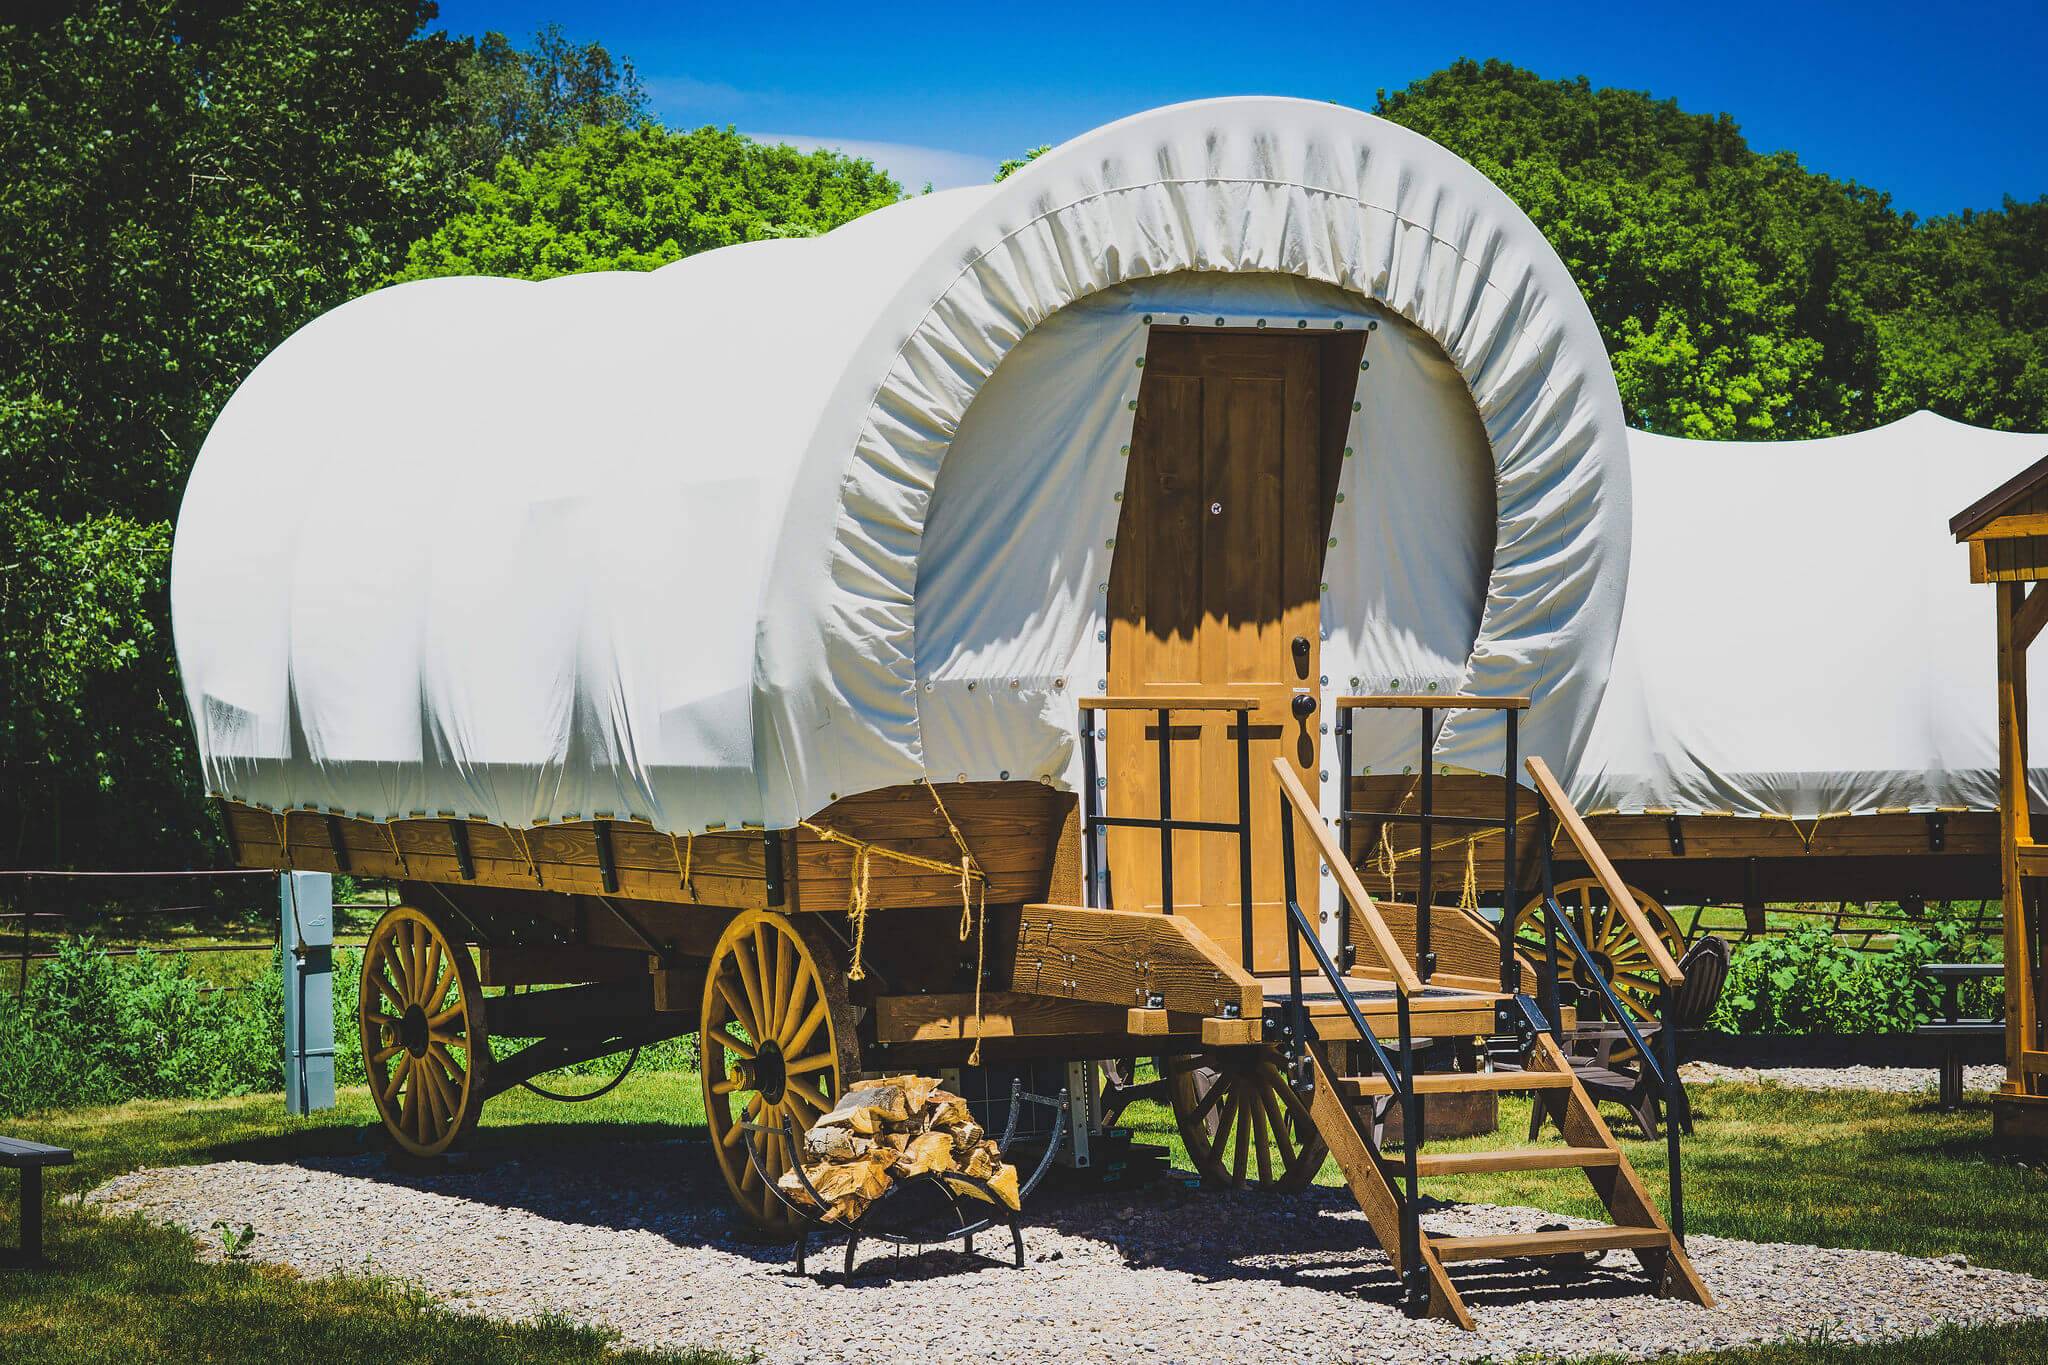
[
  {"x": 1807, "y": 982},
  {"x": 93, "y": 1029}
]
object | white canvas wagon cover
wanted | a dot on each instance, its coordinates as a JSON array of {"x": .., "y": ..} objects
[
  {"x": 1801, "y": 636},
  {"x": 715, "y": 544}
]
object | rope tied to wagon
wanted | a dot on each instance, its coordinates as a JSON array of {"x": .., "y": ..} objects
[
  {"x": 686, "y": 857},
  {"x": 973, "y": 894},
  {"x": 1468, "y": 895}
]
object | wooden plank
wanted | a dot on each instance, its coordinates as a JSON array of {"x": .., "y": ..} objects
[
  {"x": 1147, "y": 1023},
  {"x": 2012, "y": 526},
  {"x": 1618, "y": 894},
  {"x": 2014, "y": 494},
  {"x": 560, "y": 965},
  {"x": 1417, "y": 701},
  {"x": 1459, "y": 1083},
  {"x": 1514, "y": 1159},
  {"x": 1567, "y": 1242},
  {"x": 1231, "y": 1032},
  {"x": 1466, "y": 947},
  {"x": 1124, "y": 958},
  {"x": 1171, "y": 701},
  {"x": 1323, "y": 844},
  {"x": 1462, "y": 1022},
  {"x": 1004, "y": 1014}
]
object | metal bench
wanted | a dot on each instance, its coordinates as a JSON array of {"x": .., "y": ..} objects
[
  {"x": 1954, "y": 1031},
  {"x": 29, "y": 1158}
]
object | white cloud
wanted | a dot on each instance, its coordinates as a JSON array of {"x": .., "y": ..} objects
[{"x": 910, "y": 164}]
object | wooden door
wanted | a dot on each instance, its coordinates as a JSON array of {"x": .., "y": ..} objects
[{"x": 1213, "y": 592}]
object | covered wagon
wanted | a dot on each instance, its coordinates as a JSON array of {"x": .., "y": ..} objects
[{"x": 938, "y": 644}]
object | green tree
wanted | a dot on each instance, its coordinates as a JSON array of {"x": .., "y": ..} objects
[
  {"x": 1740, "y": 294},
  {"x": 623, "y": 198},
  {"x": 514, "y": 103},
  {"x": 1011, "y": 165}
]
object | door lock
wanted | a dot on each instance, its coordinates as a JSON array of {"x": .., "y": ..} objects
[{"x": 1304, "y": 705}]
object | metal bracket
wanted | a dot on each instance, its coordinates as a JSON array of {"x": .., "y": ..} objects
[
  {"x": 771, "y": 862},
  {"x": 1937, "y": 830},
  {"x": 335, "y": 842},
  {"x": 458, "y": 833},
  {"x": 607, "y": 866},
  {"x": 1676, "y": 835}
]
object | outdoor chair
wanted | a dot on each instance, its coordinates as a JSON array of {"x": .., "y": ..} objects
[{"x": 1590, "y": 1046}]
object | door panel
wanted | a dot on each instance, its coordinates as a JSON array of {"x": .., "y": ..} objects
[{"x": 1219, "y": 551}]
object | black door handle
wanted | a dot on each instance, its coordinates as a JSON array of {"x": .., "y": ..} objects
[
  {"x": 1300, "y": 647},
  {"x": 1304, "y": 705}
]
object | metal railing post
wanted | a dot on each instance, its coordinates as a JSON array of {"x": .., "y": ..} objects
[
  {"x": 1556, "y": 988},
  {"x": 1244, "y": 835},
  {"x": 1411, "y": 1140},
  {"x": 1297, "y": 1009},
  {"x": 1510, "y": 883},
  {"x": 1425, "y": 964},
  {"x": 1096, "y": 882},
  {"x": 1166, "y": 810},
  {"x": 1674, "y": 1104}
]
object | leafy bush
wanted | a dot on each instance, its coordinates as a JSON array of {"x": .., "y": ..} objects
[
  {"x": 1808, "y": 982},
  {"x": 93, "y": 1029}
]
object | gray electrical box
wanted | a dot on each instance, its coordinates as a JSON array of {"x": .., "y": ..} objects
[{"x": 306, "y": 914}]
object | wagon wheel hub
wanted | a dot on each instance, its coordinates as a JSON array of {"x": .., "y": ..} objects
[
  {"x": 767, "y": 1072},
  {"x": 413, "y": 1031}
]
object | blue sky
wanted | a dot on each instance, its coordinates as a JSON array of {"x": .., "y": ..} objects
[{"x": 1940, "y": 105}]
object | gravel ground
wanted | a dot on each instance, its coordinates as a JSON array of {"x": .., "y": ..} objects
[
  {"x": 639, "y": 1242},
  {"x": 1897, "y": 1080}
]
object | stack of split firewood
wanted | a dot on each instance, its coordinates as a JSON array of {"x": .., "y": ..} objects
[{"x": 887, "y": 1130}]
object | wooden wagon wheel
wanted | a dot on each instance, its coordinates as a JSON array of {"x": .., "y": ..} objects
[
  {"x": 1242, "y": 1122},
  {"x": 426, "y": 1046},
  {"x": 1619, "y": 955},
  {"x": 777, "y": 1040}
]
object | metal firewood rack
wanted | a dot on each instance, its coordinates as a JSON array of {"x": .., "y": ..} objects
[{"x": 874, "y": 1225}]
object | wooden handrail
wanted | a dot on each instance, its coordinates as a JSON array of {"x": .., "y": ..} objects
[
  {"x": 1595, "y": 857},
  {"x": 1383, "y": 941},
  {"x": 1422, "y": 701},
  {"x": 1169, "y": 704}
]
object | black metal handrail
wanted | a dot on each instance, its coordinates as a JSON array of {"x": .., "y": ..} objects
[
  {"x": 1400, "y": 1077},
  {"x": 1426, "y": 817},
  {"x": 1094, "y": 821}
]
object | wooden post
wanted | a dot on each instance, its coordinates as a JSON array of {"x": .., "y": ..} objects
[
  {"x": 306, "y": 914},
  {"x": 2015, "y": 830}
]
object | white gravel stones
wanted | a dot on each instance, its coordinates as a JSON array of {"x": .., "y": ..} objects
[
  {"x": 636, "y": 1238},
  {"x": 1896, "y": 1080}
]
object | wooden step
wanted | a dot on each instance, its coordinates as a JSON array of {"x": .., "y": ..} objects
[
  {"x": 1515, "y": 1159},
  {"x": 1506, "y": 1246},
  {"x": 1457, "y": 1083}
]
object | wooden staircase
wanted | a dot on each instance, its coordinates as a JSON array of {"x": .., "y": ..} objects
[
  {"x": 1334, "y": 1027},
  {"x": 1387, "y": 1184},
  {"x": 1342, "y": 1112}
]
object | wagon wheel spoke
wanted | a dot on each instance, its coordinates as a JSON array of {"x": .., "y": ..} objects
[
  {"x": 785, "y": 983},
  {"x": 740, "y": 1011},
  {"x": 1242, "y": 1158},
  {"x": 1261, "y": 1138},
  {"x": 809, "y": 1029},
  {"x": 750, "y": 984},
  {"x": 793, "y": 1009},
  {"x": 729, "y": 1043}
]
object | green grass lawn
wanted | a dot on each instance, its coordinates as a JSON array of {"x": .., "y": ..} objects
[{"x": 1864, "y": 1170}]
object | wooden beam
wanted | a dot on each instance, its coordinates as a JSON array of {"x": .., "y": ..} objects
[
  {"x": 556, "y": 966},
  {"x": 1007, "y": 1014},
  {"x": 1169, "y": 703},
  {"x": 1126, "y": 958},
  {"x": 1417, "y": 701},
  {"x": 2032, "y": 615},
  {"x": 2013, "y": 526}
]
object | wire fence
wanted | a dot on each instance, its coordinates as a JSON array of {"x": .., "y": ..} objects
[{"x": 39, "y": 935}]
